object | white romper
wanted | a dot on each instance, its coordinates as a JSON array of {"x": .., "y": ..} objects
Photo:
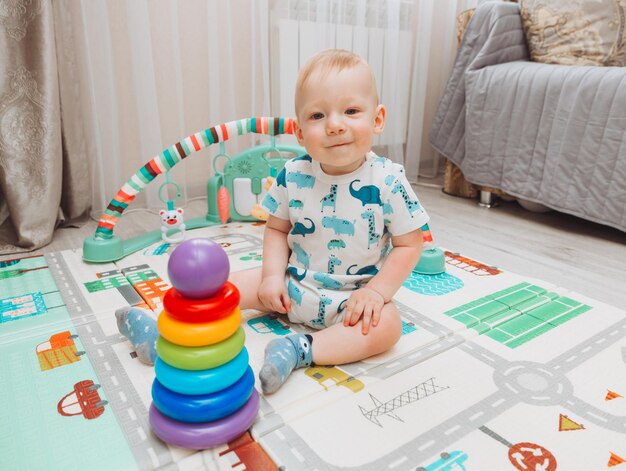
[{"x": 341, "y": 227}]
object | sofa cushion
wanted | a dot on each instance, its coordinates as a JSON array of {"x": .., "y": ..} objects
[{"x": 576, "y": 32}]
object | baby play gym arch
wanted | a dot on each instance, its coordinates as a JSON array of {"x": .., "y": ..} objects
[{"x": 104, "y": 246}]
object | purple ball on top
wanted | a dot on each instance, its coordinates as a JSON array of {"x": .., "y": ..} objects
[{"x": 198, "y": 268}]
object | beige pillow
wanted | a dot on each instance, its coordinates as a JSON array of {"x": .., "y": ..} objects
[
  {"x": 576, "y": 32},
  {"x": 461, "y": 23}
]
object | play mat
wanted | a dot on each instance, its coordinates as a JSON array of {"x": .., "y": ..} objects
[{"x": 493, "y": 372}]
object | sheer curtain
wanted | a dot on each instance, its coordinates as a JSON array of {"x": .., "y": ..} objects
[
  {"x": 151, "y": 72},
  {"x": 434, "y": 26}
]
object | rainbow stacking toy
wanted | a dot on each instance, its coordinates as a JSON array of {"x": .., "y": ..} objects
[{"x": 203, "y": 394}]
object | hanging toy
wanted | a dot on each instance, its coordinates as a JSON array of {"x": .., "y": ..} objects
[
  {"x": 257, "y": 210},
  {"x": 223, "y": 203},
  {"x": 223, "y": 196},
  {"x": 259, "y": 213},
  {"x": 172, "y": 220}
]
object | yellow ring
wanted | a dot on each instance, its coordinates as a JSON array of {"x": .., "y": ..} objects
[{"x": 198, "y": 334}]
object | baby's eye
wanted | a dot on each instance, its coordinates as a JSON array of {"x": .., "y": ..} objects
[
  {"x": 352, "y": 111},
  {"x": 317, "y": 116}
]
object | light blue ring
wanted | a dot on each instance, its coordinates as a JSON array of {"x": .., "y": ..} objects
[{"x": 202, "y": 381}]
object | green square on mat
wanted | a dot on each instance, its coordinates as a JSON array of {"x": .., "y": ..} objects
[
  {"x": 499, "y": 336},
  {"x": 528, "y": 336}
]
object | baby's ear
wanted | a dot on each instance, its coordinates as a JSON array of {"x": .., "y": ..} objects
[
  {"x": 298, "y": 133},
  {"x": 379, "y": 119}
]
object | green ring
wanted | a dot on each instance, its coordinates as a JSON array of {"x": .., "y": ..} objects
[{"x": 201, "y": 358}]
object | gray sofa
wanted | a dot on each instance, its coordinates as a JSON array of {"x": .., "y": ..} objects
[{"x": 549, "y": 134}]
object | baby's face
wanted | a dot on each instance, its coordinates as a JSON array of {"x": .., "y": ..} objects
[{"x": 338, "y": 117}]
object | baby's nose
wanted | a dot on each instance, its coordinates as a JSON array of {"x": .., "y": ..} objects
[{"x": 335, "y": 126}]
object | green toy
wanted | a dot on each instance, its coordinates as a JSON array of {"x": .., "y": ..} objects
[{"x": 433, "y": 259}]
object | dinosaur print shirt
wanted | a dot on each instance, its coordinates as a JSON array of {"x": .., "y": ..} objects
[{"x": 341, "y": 224}]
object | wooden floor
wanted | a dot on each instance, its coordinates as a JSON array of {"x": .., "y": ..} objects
[{"x": 570, "y": 252}]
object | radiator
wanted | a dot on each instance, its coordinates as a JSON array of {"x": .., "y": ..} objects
[{"x": 379, "y": 31}]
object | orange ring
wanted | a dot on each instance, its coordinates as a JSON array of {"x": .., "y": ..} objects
[
  {"x": 210, "y": 309},
  {"x": 198, "y": 334}
]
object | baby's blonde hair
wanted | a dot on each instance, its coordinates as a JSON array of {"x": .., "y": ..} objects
[{"x": 330, "y": 60}]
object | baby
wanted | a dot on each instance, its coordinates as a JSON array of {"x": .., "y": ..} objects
[{"x": 344, "y": 227}]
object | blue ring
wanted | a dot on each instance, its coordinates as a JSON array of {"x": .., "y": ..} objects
[
  {"x": 205, "y": 407},
  {"x": 202, "y": 381}
]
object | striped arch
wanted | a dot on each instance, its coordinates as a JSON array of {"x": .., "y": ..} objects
[{"x": 172, "y": 155}]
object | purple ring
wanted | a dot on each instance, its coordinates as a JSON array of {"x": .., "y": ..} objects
[{"x": 208, "y": 434}]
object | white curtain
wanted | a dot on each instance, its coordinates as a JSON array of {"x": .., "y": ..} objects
[
  {"x": 146, "y": 73},
  {"x": 151, "y": 72},
  {"x": 435, "y": 36}
]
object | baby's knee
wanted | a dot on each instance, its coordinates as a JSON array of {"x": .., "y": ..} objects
[
  {"x": 248, "y": 282},
  {"x": 393, "y": 321},
  {"x": 388, "y": 331}
]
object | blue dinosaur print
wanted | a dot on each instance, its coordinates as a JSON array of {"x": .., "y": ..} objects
[
  {"x": 387, "y": 208},
  {"x": 295, "y": 293},
  {"x": 336, "y": 244},
  {"x": 280, "y": 179},
  {"x": 367, "y": 194},
  {"x": 333, "y": 262},
  {"x": 372, "y": 235},
  {"x": 270, "y": 203},
  {"x": 301, "y": 255},
  {"x": 385, "y": 250},
  {"x": 321, "y": 314},
  {"x": 327, "y": 281},
  {"x": 379, "y": 160},
  {"x": 293, "y": 271},
  {"x": 302, "y": 180},
  {"x": 330, "y": 199},
  {"x": 411, "y": 205},
  {"x": 340, "y": 226},
  {"x": 368, "y": 270},
  {"x": 341, "y": 306},
  {"x": 306, "y": 157},
  {"x": 301, "y": 229},
  {"x": 386, "y": 230},
  {"x": 296, "y": 204}
]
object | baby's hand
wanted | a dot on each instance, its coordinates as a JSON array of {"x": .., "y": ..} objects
[
  {"x": 273, "y": 294},
  {"x": 366, "y": 303}
]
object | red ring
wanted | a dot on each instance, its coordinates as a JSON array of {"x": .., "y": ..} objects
[{"x": 220, "y": 305}]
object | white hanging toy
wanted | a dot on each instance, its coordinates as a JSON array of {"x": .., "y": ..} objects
[
  {"x": 257, "y": 211},
  {"x": 172, "y": 220}
]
